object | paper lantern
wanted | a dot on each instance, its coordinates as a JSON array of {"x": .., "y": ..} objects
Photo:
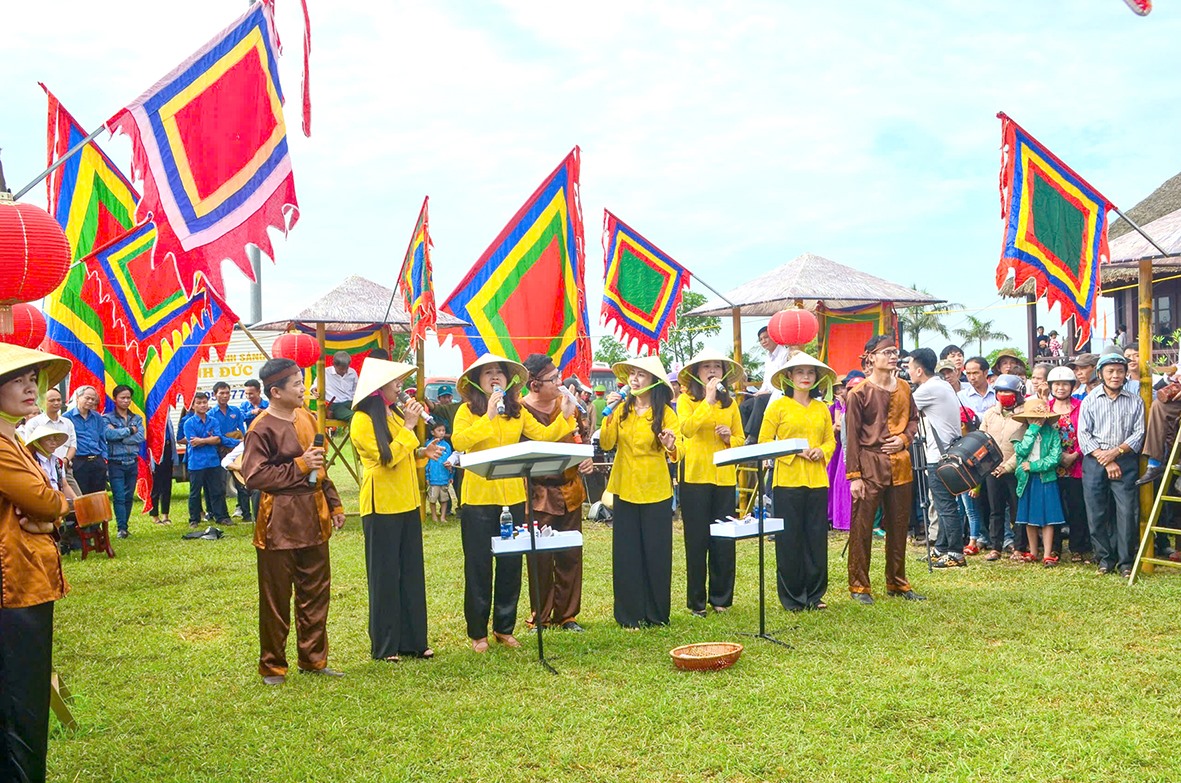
[
  {"x": 34, "y": 256},
  {"x": 298, "y": 347},
  {"x": 28, "y": 326},
  {"x": 793, "y": 327}
]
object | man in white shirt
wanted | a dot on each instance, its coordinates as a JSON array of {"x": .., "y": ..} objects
[
  {"x": 939, "y": 421},
  {"x": 340, "y": 386},
  {"x": 777, "y": 356},
  {"x": 53, "y": 418}
]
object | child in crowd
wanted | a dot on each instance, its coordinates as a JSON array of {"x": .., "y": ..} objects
[
  {"x": 1038, "y": 452},
  {"x": 438, "y": 473}
]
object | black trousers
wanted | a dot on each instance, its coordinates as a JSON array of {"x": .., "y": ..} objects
[
  {"x": 1075, "y": 508},
  {"x": 642, "y": 562},
  {"x": 701, "y": 506},
  {"x": 162, "y": 484},
  {"x": 26, "y": 663},
  {"x": 1002, "y": 504},
  {"x": 91, "y": 474},
  {"x": 801, "y": 550},
  {"x": 481, "y": 593},
  {"x": 212, "y": 481},
  {"x": 397, "y": 584}
]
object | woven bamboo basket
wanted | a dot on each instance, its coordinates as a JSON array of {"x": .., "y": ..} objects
[{"x": 706, "y": 656}]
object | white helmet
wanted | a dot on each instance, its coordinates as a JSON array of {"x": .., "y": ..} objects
[{"x": 1060, "y": 374}]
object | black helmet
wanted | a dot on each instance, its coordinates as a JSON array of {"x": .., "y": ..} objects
[{"x": 1009, "y": 383}]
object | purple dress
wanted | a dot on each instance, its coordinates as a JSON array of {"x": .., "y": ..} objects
[{"x": 840, "y": 499}]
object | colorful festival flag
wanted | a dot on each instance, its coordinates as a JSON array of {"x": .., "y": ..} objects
[
  {"x": 210, "y": 144},
  {"x": 525, "y": 292},
  {"x": 415, "y": 280},
  {"x": 94, "y": 203},
  {"x": 642, "y": 286},
  {"x": 357, "y": 343},
  {"x": 1055, "y": 227}
]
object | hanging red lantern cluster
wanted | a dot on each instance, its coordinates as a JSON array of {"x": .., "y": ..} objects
[
  {"x": 28, "y": 326},
  {"x": 298, "y": 347},
  {"x": 34, "y": 256},
  {"x": 793, "y": 327}
]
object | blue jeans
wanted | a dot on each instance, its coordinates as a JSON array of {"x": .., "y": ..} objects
[
  {"x": 122, "y": 476},
  {"x": 970, "y": 508},
  {"x": 951, "y": 522},
  {"x": 1114, "y": 536}
]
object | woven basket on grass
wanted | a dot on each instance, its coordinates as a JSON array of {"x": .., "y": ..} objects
[{"x": 706, "y": 656}]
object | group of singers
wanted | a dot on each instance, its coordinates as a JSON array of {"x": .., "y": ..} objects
[{"x": 504, "y": 402}]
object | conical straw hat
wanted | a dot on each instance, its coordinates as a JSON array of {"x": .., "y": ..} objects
[
  {"x": 51, "y": 369},
  {"x": 471, "y": 376},
  {"x": 649, "y": 364},
  {"x": 376, "y": 373},
  {"x": 734, "y": 373},
  {"x": 801, "y": 359}
]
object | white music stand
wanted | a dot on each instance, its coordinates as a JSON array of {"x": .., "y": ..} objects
[
  {"x": 526, "y": 460},
  {"x": 756, "y": 453}
]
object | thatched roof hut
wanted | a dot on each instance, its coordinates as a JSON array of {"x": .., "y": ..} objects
[
  {"x": 355, "y": 302},
  {"x": 810, "y": 279}
]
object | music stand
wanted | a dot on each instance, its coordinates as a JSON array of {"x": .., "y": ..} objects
[
  {"x": 756, "y": 453},
  {"x": 526, "y": 460}
]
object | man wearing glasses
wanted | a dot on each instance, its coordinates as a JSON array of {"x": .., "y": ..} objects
[{"x": 880, "y": 423}]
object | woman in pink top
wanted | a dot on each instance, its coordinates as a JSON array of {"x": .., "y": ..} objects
[{"x": 1070, "y": 471}]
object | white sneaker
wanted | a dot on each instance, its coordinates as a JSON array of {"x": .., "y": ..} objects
[{"x": 237, "y": 513}]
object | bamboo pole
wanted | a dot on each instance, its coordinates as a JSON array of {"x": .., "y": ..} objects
[
  {"x": 257, "y": 344},
  {"x": 321, "y": 407},
  {"x": 1145, "y": 342},
  {"x": 420, "y": 428}
]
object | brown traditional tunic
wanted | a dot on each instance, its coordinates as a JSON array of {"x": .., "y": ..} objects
[
  {"x": 30, "y": 566},
  {"x": 557, "y": 501},
  {"x": 872, "y": 416},
  {"x": 291, "y": 537}
]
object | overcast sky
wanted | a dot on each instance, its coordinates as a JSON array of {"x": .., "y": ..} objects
[{"x": 734, "y": 135}]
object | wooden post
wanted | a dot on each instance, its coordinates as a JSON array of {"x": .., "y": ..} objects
[
  {"x": 321, "y": 408},
  {"x": 420, "y": 429},
  {"x": 1031, "y": 328},
  {"x": 736, "y": 314},
  {"x": 1144, "y": 339}
]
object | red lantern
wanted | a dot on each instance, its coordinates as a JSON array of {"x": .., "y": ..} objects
[
  {"x": 28, "y": 326},
  {"x": 34, "y": 256},
  {"x": 793, "y": 327},
  {"x": 299, "y": 347}
]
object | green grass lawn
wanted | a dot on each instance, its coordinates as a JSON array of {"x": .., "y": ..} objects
[{"x": 1009, "y": 672}]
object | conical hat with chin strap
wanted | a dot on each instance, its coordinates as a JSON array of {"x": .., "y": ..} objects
[
  {"x": 649, "y": 364},
  {"x": 50, "y": 369},
  {"x": 471, "y": 376},
  {"x": 801, "y": 359},
  {"x": 733, "y": 373},
  {"x": 376, "y": 373}
]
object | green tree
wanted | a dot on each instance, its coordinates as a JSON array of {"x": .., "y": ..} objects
[
  {"x": 752, "y": 363},
  {"x": 914, "y": 321},
  {"x": 688, "y": 337},
  {"x": 610, "y": 350},
  {"x": 980, "y": 331}
]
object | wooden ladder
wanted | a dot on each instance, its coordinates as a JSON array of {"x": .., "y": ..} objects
[{"x": 1145, "y": 553}]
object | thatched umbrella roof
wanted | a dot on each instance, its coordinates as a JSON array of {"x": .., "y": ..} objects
[
  {"x": 355, "y": 302},
  {"x": 1160, "y": 202},
  {"x": 812, "y": 279}
]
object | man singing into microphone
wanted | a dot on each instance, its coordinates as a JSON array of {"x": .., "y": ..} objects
[{"x": 297, "y": 510}]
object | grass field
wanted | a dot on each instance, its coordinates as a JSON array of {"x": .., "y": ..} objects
[{"x": 1009, "y": 672}]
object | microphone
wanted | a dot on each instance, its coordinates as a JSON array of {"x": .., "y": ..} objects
[
  {"x": 573, "y": 398},
  {"x": 499, "y": 405},
  {"x": 427, "y": 417},
  {"x": 317, "y": 442},
  {"x": 626, "y": 390}
]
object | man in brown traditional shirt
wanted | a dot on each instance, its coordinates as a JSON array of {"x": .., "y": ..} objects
[
  {"x": 297, "y": 510},
  {"x": 555, "y": 501},
  {"x": 880, "y": 423}
]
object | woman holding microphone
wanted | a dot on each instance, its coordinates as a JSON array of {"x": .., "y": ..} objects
[
  {"x": 800, "y": 486},
  {"x": 491, "y": 416},
  {"x": 642, "y": 428},
  {"x": 383, "y": 437},
  {"x": 710, "y": 422}
]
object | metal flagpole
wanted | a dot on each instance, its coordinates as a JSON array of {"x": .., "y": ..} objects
[{"x": 58, "y": 163}]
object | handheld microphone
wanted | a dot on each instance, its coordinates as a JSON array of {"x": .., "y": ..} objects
[
  {"x": 427, "y": 417},
  {"x": 573, "y": 398},
  {"x": 626, "y": 390},
  {"x": 317, "y": 442},
  {"x": 499, "y": 405}
]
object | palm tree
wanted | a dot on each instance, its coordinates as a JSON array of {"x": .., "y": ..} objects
[
  {"x": 914, "y": 321},
  {"x": 980, "y": 331}
]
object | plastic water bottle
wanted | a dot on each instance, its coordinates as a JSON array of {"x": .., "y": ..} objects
[{"x": 506, "y": 522}]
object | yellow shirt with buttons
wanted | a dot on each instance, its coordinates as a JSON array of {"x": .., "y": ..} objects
[
  {"x": 785, "y": 418},
  {"x": 392, "y": 488},
  {"x": 640, "y": 471},
  {"x": 476, "y": 433},
  {"x": 700, "y": 440}
]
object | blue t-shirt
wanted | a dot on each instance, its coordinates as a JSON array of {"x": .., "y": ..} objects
[
  {"x": 437, "y": 474},
  {"x": 248, "y": 415},
  {"x": 205, "y": 456},
  {"x": 229, "y": 421}
]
